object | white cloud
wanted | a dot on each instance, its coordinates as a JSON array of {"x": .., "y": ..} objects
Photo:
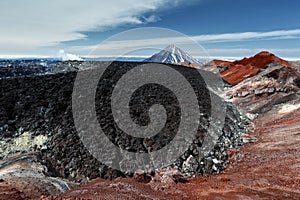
[
  {"x": 279, "y": 34},
  {"x": 162, "y": 39},
  {"x": 30, "y": 24},
  {"x": 152, "y": 18},
  {"x": 35, "y": 27},
  {"x": 226, "y": 37},
  {"x": 67, "y": 56}
]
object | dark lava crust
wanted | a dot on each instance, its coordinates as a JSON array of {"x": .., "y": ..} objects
[{"x": 42, "y": 105}]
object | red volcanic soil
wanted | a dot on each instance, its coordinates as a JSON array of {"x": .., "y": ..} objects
[
  {"x": 266, "y": 169},
  {"x": 237, "y": 71},
  {"x": 9, "y": 192}
]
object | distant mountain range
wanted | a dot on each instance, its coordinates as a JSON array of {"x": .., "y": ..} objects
[{"x": 172, "y": 54}]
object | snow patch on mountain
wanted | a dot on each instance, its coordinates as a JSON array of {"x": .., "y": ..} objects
[{"x": 172, "y": 54}]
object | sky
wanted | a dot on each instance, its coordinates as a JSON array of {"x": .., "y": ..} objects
[{"x": 224, "y": 28}]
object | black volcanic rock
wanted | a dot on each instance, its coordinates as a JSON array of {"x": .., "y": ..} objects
[
  {"x": 21, "y": 68},
  {"x": 39, "y": 107},
  {"x": 297, "y": 82}
]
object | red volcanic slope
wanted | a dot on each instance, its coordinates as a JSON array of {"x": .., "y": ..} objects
[{"x": 237, "y": 71}]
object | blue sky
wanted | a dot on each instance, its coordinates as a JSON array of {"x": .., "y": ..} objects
[{"x": 225, "y": 28}]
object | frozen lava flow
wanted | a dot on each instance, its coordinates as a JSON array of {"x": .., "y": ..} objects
[{"x": 266, "y": 169}]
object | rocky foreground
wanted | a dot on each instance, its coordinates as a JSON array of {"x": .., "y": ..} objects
[
  {"x": 42, "y": 156},
  {"x": 267, "y": 167}
]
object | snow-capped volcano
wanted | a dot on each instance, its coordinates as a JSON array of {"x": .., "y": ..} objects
[{"x": 172, "y": 54}]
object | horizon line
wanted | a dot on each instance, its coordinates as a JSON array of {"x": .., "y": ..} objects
[{"x": 19, "y": 57}]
